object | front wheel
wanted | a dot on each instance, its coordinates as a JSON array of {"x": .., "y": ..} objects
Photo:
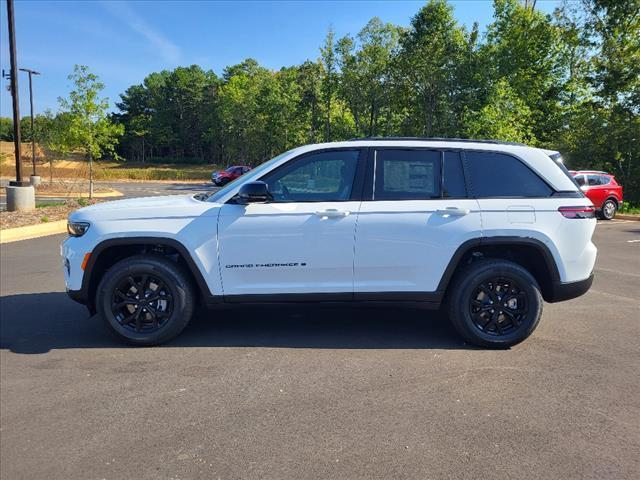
[
  {"x": 609, "y": 208},
  {"x": 146, "y": 299},
  {"x": 494, "y": 303}
]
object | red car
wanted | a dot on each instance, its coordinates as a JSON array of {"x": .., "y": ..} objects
[
  {"x": 228, "y": 175},
  {"x": 602, "y": 189}
]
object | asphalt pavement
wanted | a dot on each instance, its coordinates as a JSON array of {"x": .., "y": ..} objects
[{"x": 310, "y": 392}]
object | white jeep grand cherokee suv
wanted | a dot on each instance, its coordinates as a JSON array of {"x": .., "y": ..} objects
[{"x": 487, "y": 229}]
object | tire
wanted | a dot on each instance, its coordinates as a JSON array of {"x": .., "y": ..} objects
[
  {"x": 134, "y": 320},
  {"x": 609, "y": 208},
  {"x": 479, "y": 287},
  {"x": 222, "y": 182}
]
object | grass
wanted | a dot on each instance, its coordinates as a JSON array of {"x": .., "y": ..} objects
[
  {"x": 628, "y": 209},
  {"x": 72, "y": 168},
  {"x": 47, "y": 204}
]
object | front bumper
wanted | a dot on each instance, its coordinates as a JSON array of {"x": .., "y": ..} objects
[
  {"x": 566, "y": 291},
  {"x": 77, "y": 296}
]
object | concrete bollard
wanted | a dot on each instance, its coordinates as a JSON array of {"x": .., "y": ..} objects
[
  {"x": 20, "y": 199},
  {"x": 35, "y": 180}
]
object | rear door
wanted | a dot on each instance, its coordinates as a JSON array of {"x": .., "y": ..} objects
[
  {"x": 598, "y": 192},
  {"x": 415, "y": 215}
]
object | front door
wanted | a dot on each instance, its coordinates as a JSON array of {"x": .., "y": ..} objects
[{"x": 301, "y": 242}]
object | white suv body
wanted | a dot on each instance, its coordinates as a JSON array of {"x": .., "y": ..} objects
[{"x": 366, "y": 220}]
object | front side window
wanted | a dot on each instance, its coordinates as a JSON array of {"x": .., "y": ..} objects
[
  {"x": 500, "y": 175},
  {"x": 318, "y": 177},
  {"x": 580, "y": 180},
  {"x": 406, "y": 174}
]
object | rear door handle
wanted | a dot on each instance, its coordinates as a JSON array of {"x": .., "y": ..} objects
[
  {"x": 453, "y": 212},
  {"x": 332, "y": 213}
]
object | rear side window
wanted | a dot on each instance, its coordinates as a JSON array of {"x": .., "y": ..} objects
[
  {"x": 500, "y": 175},
  {"x": 453, "y": 185},
  {"x": 605, "y": 180},
  {"x": 594, "y": 180},
  {"x": 407, "y": 174}
]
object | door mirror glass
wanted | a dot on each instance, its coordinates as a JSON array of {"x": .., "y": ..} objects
[{"x": 253, "y": 192}]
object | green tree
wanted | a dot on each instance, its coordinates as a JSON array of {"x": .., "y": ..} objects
[
  {"x": 89, "y": 127},
  {"x": 524, "y": 47},
  {"x": 365, "y": 75},
  {"x": 426, "y": 71},
  {"x": 329, "y": 80},
  {"x": 6, "y": 129},
  {"x": 54, "y": 136},
  {"x": 504, "y": 116}
]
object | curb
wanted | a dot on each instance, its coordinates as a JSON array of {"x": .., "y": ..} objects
[
  {"x": 627, "y": 217},
  {"x": 32, "y": 231},
  {"x": 112, "y": 193}
]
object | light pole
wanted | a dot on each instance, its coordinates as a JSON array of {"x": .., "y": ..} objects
[
  {"x": 14, "y": 93},
  {"x": 20, "y": 195},
  {"x": 33, "y": 133}
]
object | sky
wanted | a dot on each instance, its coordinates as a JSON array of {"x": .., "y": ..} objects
[{"x": 123, "y": 41}]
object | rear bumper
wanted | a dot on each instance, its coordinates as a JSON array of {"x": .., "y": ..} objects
[{"x": 566, "y": 291}]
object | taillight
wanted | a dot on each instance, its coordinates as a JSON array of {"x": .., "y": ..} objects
[{"x": 578, "y": 212}]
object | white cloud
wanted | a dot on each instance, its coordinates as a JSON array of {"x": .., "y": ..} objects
[{"x": 123, "y": 11}]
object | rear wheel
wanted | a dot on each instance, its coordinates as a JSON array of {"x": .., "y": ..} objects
[
  {"x": 609, "y": 208},
  {"x": 494, "y": 303},
  {"x": 145, "y": 300}
]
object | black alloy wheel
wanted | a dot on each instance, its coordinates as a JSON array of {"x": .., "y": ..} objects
[
  {"x": 142, "y": 303},
  {"x": 498, "y": 306}
]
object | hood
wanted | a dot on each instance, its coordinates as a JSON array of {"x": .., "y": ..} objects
[{"x": 145, "y": 207}]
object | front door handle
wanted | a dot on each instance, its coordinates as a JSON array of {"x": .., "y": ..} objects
[
  {"x": 453, "y": 212},
  {"x": 332, "y": 213}
]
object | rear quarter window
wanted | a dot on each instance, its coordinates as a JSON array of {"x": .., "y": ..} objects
[{"x": 500, "y": 175}]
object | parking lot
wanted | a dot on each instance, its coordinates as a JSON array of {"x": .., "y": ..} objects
[{"x": 319, "y": 392}]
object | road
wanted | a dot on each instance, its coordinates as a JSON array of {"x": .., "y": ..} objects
[{"x": 308, "y": 392}]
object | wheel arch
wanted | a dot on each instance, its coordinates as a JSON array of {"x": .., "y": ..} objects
[
  {"x": 530, "y": 253},
  {"x": 110, "y": 251}
]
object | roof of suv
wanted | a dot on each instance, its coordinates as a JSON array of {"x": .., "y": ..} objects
[
  {"x": 437, "y": 139},
  {"x": 578, "y": 172}
]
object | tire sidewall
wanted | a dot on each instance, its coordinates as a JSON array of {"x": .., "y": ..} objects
[
  {"x": 525, "y": 281},
  {"x": 613, "y": 214},
  {"x": 178, "y": 289}
]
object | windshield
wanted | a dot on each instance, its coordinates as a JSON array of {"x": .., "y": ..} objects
[
  {"x": 247, "y": 177},
  {"x": 230, "y": 169}
]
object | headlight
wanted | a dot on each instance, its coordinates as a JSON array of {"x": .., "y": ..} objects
[{"x": 77, "y": 229}]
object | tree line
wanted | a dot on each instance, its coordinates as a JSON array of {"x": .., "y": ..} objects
[{"x": 568, "y": 81}]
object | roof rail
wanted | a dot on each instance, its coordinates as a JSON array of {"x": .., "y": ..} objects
[{"x": 438, "y": 139}]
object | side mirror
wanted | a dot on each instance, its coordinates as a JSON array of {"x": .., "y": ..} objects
[{"x": 253, "y": 192}]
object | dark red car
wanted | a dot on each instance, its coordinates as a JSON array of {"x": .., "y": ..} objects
[
  {"x": 228, "y": 175},
  {"x": 602, "y": 189}
]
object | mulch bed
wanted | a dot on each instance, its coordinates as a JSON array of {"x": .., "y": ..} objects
[{"x": 43, "y": 214}]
